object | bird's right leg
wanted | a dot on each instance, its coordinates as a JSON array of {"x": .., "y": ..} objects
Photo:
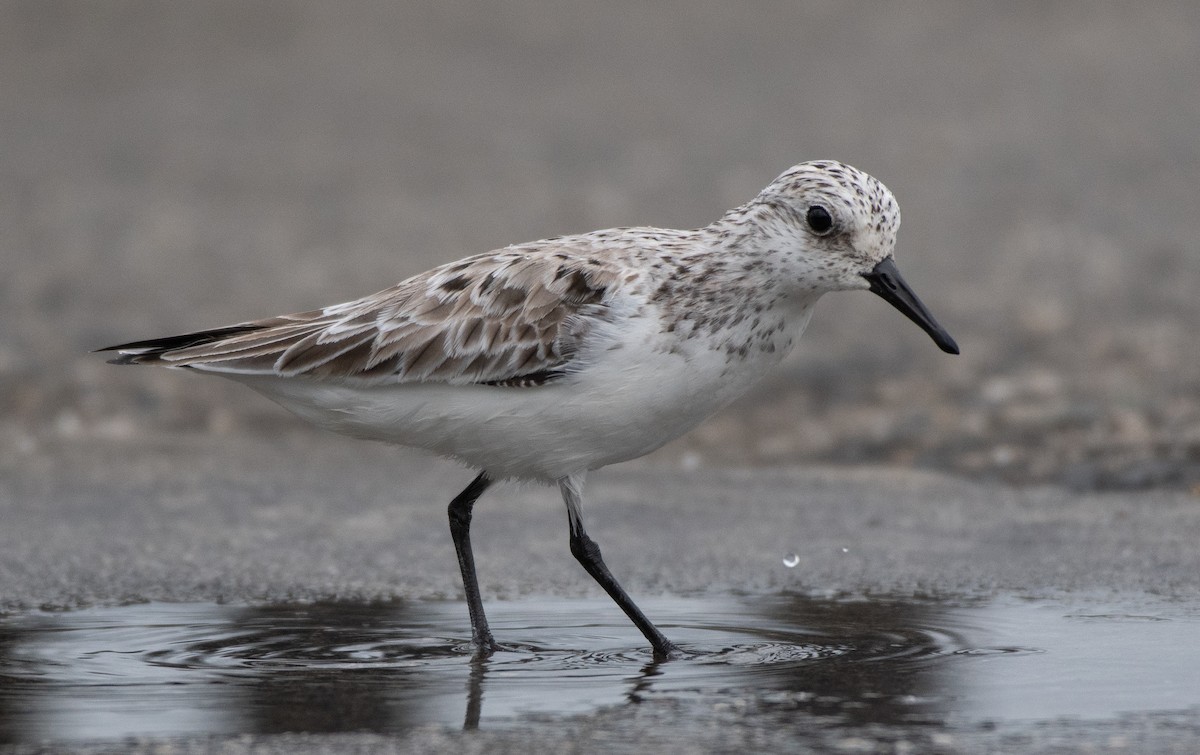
[
  {"x": 587, "y": 553},
  {"x": 460, "y": 530}
]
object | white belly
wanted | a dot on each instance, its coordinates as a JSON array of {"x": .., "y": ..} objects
[{"x": 626, "y": 402}]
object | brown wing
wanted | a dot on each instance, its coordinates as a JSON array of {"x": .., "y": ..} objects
[{"x": 510, "y": 318}]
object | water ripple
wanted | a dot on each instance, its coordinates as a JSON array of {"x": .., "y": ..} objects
[{"x": 209, "y": 669}]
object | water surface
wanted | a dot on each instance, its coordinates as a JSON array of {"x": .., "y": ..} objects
[{"x": 206, "y": 669}]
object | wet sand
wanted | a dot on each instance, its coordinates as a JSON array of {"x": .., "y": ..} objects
[{"x": 266, "y": 531}]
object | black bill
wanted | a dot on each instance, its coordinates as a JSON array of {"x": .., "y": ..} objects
[{"x": 887, "y": 282}]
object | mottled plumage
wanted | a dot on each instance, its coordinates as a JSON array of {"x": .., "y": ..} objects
[
  {"x": 546, "y": 360},
  {"x": 487, "y": 319}
]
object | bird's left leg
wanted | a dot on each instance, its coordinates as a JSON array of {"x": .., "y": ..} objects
[{"x": 460, "y": 530}]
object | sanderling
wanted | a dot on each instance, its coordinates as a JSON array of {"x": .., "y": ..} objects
[{"x": 546, "y": 360}]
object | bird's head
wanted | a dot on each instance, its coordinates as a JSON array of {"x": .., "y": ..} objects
[{"x": 831, "y": 227}]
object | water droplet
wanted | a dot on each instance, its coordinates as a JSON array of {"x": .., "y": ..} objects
[{"x": 790, "y": 560}]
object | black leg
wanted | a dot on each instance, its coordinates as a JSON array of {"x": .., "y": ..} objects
[
  {"x": 460, "y": 531},
  {"x": 587, "y": 553}
]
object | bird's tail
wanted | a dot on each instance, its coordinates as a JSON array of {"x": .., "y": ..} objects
[{"x": 151, "y": 351}]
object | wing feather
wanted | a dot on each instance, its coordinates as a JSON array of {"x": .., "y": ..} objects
[{"x": 497, "y": 319}]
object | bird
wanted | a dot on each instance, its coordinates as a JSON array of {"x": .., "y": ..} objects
[{"x": 544, "y": 361}]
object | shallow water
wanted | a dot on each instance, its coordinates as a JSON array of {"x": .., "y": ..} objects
[{"x": 202, "y": 669}]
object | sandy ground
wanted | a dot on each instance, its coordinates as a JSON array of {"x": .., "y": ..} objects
[
  {"x": 190, "y": 518},
  {"x": 167, "y": 168}
]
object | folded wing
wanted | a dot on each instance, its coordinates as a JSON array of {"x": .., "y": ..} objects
[{"x": 504, "y": 318}]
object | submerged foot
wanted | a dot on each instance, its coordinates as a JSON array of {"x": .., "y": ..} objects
[{"x": 668, "y": 651}]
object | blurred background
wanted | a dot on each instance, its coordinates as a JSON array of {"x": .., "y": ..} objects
[{"x": 174, "y": 166}]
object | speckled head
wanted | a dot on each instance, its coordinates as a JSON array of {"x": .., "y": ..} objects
[
  {"x": 844, "y": 217},
  {"x": 833, "y": 227}
]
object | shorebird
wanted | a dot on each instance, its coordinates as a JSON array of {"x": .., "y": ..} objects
[{"x": 546, "y": 360}]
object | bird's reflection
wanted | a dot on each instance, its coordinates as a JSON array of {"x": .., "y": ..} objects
[{"x": 479, "y": 668}]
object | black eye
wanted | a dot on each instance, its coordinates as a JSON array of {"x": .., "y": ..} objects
[{"x": 819, "y": 220}]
